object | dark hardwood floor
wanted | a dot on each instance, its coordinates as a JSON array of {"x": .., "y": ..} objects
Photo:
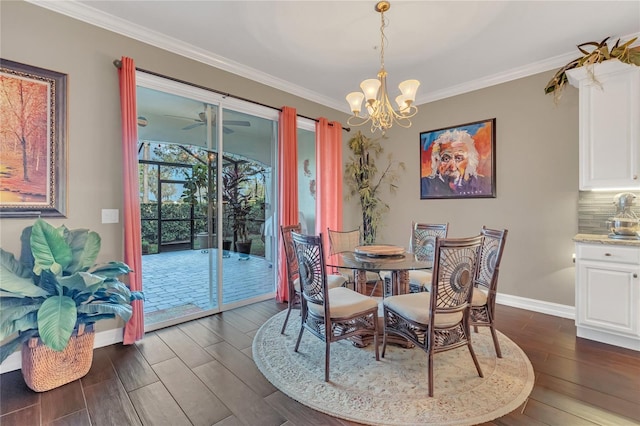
[{"x": 201, "y": 373}]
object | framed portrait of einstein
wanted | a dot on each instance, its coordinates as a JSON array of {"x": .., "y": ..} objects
[{"x": 459, "y": 161}]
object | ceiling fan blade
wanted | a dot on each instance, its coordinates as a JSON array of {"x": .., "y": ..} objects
[
  {"x": 192, "y": 126},
  {"x": 237, "y": 123},
  {"x": 227, "y": 130},
  {"x": 181, "y": 117}
]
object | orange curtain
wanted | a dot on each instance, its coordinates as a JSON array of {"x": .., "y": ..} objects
[
  {"x": 328, "y": 177},
  {"x": 288, "y": 187},
  {"x": 134, "y": 328}
]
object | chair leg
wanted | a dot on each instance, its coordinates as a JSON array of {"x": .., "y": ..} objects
[
  {"x": 430, "y": 360},
  {"x": 327, "y": 355},
  {"x": 495, "y": 341},
  {"x": 286, "y": 318},
  {"x": 299, "y": 338},
  {"x": 475, "y": 359},
  {"x": 384, "y": 333},
  {"x": 375, "y": 334},
  {"x": 475, "y": 328}
]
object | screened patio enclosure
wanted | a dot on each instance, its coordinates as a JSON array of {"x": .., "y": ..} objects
[{"x": 206, "y": 199}]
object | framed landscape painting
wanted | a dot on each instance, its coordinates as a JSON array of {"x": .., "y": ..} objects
[
  {"x": 459, "y": 161},
  {"x": 33, "y": 131}
]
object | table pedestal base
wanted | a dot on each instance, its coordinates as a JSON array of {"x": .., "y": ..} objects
[{"x": 363, "y": 341}]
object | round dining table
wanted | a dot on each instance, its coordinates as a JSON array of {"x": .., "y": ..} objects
[{"x": 398, "y": 264}]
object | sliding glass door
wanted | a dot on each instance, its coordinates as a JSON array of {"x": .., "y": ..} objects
[{"x": 207, "y": 201}]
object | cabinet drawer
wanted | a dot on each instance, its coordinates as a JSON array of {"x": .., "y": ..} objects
[{"x": 609, "y": 253}]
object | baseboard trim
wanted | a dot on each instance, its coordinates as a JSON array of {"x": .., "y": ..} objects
[
  {"x": 102, "y": 338},
  {"x": 549, "y": 308}
]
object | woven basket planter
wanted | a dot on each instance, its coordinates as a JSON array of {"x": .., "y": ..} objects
[{"x": 44, "y": 369}]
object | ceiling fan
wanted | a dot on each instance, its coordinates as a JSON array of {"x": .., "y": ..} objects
[{"x": 202, "y": 120}]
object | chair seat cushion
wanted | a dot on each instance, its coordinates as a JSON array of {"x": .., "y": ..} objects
[
  {"x": 333, "y": 280},
  {"x": 479, "y": 297},
  {"x": 416, "y": 307},
  {"x": 344, "y": 302},
  {"x": 421, "y": 278}
]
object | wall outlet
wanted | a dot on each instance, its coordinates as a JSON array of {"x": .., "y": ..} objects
[{"x": 110, "y": 215}]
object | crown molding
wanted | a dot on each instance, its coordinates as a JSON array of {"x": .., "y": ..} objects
[
  {"x": 126, "y": 28},
  {"x": 509, "y": 75}
]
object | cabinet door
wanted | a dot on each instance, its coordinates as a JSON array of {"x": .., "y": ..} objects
[
  {"x": 607, "y": 297},
  {"x": 609, "y": 125}
]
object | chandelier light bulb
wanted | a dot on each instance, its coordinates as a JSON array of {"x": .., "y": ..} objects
[
  {"x": 355, "y": 102},
  {"x": 370, "y": 88},
  {"x": 409, "y": 88}
]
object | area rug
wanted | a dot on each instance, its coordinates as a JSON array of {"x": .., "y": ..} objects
[{"x": 394, "y": 390}]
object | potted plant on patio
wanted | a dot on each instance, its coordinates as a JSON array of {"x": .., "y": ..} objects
[
  {"x": 197, "y": 192},
  {"x": 239, "y": 203},
  {"x": 52, "y": 296},
  {"x": 363, "y": 181}
]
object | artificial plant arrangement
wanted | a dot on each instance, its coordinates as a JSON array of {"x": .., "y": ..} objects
[
  {"x": 363, "y": 181},
  {"x": 55, "y": 287},
  {"x": 600, "y": 52}
]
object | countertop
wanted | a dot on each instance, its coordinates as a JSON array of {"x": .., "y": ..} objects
[{"x": 604, "y": 239}]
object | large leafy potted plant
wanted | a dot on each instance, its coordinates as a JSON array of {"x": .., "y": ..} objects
[
  {"x": 363, "y": 181},
  {"x": 55, "y": 293}
]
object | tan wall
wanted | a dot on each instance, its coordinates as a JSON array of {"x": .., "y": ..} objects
[
  {"x": 537, "y": 154},
  {"x": 537, "y": 183}
]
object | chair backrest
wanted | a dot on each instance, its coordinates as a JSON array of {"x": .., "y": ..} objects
[
  {"x": 311, "y": 266},
  {"x": 490, "y": 258},
  {"x": 342, "y": 241},
  {"x": 454, "y": 269},
  {"x": 423, "y": 238},
  {"x": 289, "y": 252}
]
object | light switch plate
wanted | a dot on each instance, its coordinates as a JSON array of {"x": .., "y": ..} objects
[{"x": 110, "y": 216}]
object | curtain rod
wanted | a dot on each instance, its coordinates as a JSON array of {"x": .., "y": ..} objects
[{"x": 118, "y": 64}]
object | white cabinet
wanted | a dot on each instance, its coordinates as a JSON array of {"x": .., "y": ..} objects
[
  {"x": 609, "y": 125},
  {"x": 608, "y": 293}
]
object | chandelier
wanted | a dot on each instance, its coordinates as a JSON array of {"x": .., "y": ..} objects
[{"x": 381, "y": 112}]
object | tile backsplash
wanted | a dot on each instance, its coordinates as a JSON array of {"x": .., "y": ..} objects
[{"x": 596, "y": 207}]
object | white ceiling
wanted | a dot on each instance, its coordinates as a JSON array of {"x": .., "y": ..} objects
[{"x": 321, "y": 50}]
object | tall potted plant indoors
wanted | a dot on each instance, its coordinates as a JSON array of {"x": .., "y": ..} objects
[
  {"x": 363, "y": 181},
  {"x": 52, "y": 296}
]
